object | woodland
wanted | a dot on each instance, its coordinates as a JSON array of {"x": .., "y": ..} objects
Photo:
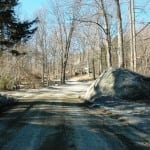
[
  {"x": 72, "y": 38},
  {"x": 75, "y": 75}
]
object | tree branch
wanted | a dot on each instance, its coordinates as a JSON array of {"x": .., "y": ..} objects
[
  {"x": 90, "y": 21},
  {"x": 143, "y": 28}
]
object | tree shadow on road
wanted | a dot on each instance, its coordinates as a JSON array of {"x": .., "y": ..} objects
[{"x": 55, "y": 123}]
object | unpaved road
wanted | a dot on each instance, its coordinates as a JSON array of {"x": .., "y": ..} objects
[{"x": 55, "y": 119}]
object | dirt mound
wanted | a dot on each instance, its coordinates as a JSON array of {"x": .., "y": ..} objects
[{"x": 119, "y": 83}]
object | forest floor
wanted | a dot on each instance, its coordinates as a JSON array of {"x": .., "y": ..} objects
[{"x": 54, "y": 118}]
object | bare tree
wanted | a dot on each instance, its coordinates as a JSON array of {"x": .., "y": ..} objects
[
  {"x": 41, "y": 41},
  {"x": 101, "y": 14},
  {"x": 66, "y": 29},
  {"x": 120, "y": 36},
  {"x": 107, "y": 32}
]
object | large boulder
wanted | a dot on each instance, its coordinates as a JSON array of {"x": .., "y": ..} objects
[{"x": 119, "y": 83}]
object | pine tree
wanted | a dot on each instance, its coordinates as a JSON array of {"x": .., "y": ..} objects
[{"x": 12, "y": 30}]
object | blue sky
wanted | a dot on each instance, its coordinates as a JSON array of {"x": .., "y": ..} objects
[{"x": 28, "y": 7}]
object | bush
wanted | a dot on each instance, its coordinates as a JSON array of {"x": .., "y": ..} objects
[{"x": 6, "y": 83}]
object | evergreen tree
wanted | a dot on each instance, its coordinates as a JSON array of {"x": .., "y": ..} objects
[{"x": 12, "y": 30}]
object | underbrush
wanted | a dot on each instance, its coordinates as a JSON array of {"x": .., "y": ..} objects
[{"x": 6, "y": 83}]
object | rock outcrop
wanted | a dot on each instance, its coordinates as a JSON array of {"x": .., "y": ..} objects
[{"x": 119, "y": 83}]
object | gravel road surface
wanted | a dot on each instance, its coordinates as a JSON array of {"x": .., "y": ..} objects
[{"x": 54, "y": 118}]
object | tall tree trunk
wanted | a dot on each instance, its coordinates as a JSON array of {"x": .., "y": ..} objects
[
  {"x": 43, "y": 70},
  {"x": 61, "y": 71},
  {"x": 93, "y": 65},
  {"x": 88, "y": 63},
  {"x": 108, "y": 37},
  {"x": 132, "y": 36},
  {"x": 100, "y": 62},
  {"x": 120, "y": 36},
  {"x": 67, "y": 48},
  {"x": 64, "y": 72}
]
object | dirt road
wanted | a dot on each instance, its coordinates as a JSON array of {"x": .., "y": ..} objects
[{"x": 55, "y": 119}]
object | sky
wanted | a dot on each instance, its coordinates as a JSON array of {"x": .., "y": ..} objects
[{"x": 28, "y": 7}]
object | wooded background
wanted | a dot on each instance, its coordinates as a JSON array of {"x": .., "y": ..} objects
[{"x": 77, "y": 37}]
